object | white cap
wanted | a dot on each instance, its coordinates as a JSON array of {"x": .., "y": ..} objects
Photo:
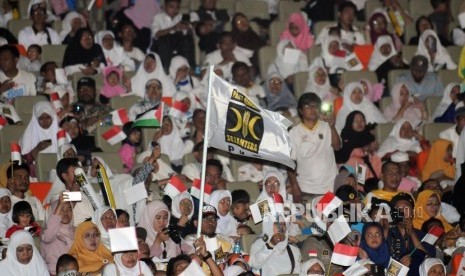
[{"x": 399, "y": 157}]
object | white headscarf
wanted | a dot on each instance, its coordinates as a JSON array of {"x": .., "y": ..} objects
[
  {"x": 442, "y": 56},
  {"x": 371, "y": 112},
  {"x": 412, "y": 113},
  {"x": 63, "y": 149},
  {"x": 5, "y": 219},
  {"x": 323, "y": 91},
  {"x": 175, "y": 209},
  {"x": 395, "y": 143},
  {"x": 284, "y": 68},
  {"x": 141, "y": 77},
  {"x": 445, "y": 101},
  {"x": 97, "y": 220},
  {"x": 67, "y": 22},
  {"x": 11, "y": 265},
  {"x": 306, "y": 266},
  {"x": 268, "y": 230},
  {"x": 176, "y": 63},
  {"x": 282, "y": 183},
  {"x": 428, "y": 263},
  {"x": 377, "y": 59},
  {"x": 227, "y": 225},
  {"x": 148, "y": 216},
  {"x": 34, "y": 133},
  {"x": 332, "y": 62},
  {"x": 233, "y": 270},
  {"x": 140, "y": 268},
  {"x": 172, "y": 145}
]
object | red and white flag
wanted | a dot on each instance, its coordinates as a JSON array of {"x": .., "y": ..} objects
[
  {"x": 339, "y": 229},
  {"x": 3, "y": 122},
  {"x": 174, "y": 187},
  {"x": 328, "y": 203},
  {"x": 278, "y": 203},
  {"x": 433, "y": 235},
  {"x": 344, "y": 255},
  {"x": 195, "y": 190},
  {"x": 15, "y": 152},
  {"x": 178, "y": 109},
  {"x": 119, "y": 117},
  {"x": 56, "y": 103},
  {"x": 312, "y": 253},
  {"x": 114, "y": 135},
  {"x": 61, "y": 137}
]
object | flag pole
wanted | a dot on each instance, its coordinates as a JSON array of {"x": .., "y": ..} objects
[{"x": 205, "y": 150}]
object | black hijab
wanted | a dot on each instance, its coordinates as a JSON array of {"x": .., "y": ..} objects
[
  {"x": 76, "y": 54},
  {"x": 248, "y": 39}
]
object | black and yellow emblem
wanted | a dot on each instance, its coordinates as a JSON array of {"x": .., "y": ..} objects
[{"x": 244, "y": 123}]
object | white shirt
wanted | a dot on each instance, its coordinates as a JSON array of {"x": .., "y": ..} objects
[
  {"x": 162, "y": 21},
  {"x": 37, "y": 209},
  {"x": 273, "y": 261},
  {"x": 451, "y": 135},
  {"x": 458, "y": 37},
  {"x": 27, "y": 37},
  {"x": 136, "y": 54},
  {"x": 215, "y": 57},
  {"x": 355, "y": 37},
  {"x": 25, "y": 85},
  {"x": 316, "y": 164}
]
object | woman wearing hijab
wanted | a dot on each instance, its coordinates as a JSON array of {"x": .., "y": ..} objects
[
  {"x": 359, "y": 145},
  {"x": 151, "y": 100},
  {"x": 354, "y": 100},
  {"x": 428, "y": 205},
  {"x": 273, "y": 182},
  {"x": 298, "y": 32},
  {"x": 373, "y": 245},
  {"x": 422, "y": 24},
  {"x": 432, "y": 266},
  {"x": 5, "y": 211},
  {"x": 155, "y": 219},
  {"x": 22, "y": 257},
  {"x": 105, "y": 219},
  {"x": 171, "y": 142},
  {"x": 151, "y": 69},
  {"x": 271, "y": 254},
  {"x": 226, "y": 224},
  {"x": 128, "y": 264},
  {"x": 401, "y": 138},
  {"x": 332, "y": 56},
  {"x": 114, "y": 53},
  {"x": 83, "y": 55},
  {"x": 278, "y": 97},
  {"x": 182, "y": 211},
  {"x": 312, "y": 267},
  {"x": 57, "y": 237},
  {"x": 405, "y": 106},
  {"x": 318, "y": 83},
  {"x": 285, "y": 67},
  {"x": 431, "y": 47},
  {"x": 72, "y": 22},
  {"x": 243, "y": 34},
  {"x": 379, "y": 27},
  {"x": 89, "y": 251},
  {"x": 445, "y": 112},
  {"x": 440, "y": 163},
  {"x": 179, "y": 75}
]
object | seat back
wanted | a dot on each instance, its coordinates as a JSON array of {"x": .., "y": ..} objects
[
  {"x": 9, "y": 134},
  {"x": 112, "y": 159},
  {"x": 431, "y": 131},
  {"x": 45, "y": 163},
  {"x": 253, "y": 9},
  {"x": 53, "y": 53},
  {"x": 124, "y": 102},
  {"x": 266, "y": 56},
  {"x": 382, "y": 132},
  {"x": 16, "y": 25},
  {"x": 384, "y": 103},
  {"x": 300, "y": 81},
  {"x": 102, "y": 143},
  {"x": 431, "y": 104},
  {"x": 249, "y": 186}
]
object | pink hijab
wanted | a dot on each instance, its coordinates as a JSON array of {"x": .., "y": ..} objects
[
  {"x": 304, "y": 40},
  {"x": 108, "y": 90},
  {"x": 142, "y": 12}
]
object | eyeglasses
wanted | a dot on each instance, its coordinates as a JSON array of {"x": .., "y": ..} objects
[
  {"x": 274, "y": 184},
  {"x": 432, "y": 204},
  {"x": 108, "y": 218},
  {"x": 210, "y": 219},
  {"x": 185, "y": 203},
  {"x": 89, "y": 236},
  {"x": 274, "y": 81},
  {"x": 311, "y": 106},
  {"x": 225, "y": 201},
  {"x": 376, "y": 235}
]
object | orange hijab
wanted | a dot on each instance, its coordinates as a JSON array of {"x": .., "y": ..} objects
[
  {"x": 420, "y": 211},
  {"x": 89, "y": 261},
  {"x": 436, "y": 161}
]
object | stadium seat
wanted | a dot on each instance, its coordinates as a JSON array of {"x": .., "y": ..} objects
[
  {"x": 370, "y": 7},
  {"x": 229, "y": 5},
  {"x": 266, "y": 56},
  {"x": 10, "y": 133},
  {"x": 300, "y": 81},
  {"x": 53, "y": 53},
  {"x": 102, "y": 143},
  {"x": 112, "y": 159},
  {"x": 320, "y": 25},
  {"x": 253, "y": 9},
  {"x": 448, "y": 76},
  {"x": 431, "y": 103},
  {"x": 288, "y": 7},
  {"x": 356, "y": 76},
  {"x": 409, "y": 32},
  {"x": 408, "y": 52},
  {"x": 235, "y": 164},
  {"x": 165, "y": 158},
  {"x": 276, "y": 28},
  {"x": 194, "y": 5},
  {"x": 24, "y": 104},
  {"x": 313, "y": 53},
  {"x": 45, "y": 163},
  {"x": 392, "y": 76},
  {"x": 188, "y": 159},
  {"x": 15, "y": 26},
  {"x": 382, "y": 131},
  {"x": 431, "y": 131},
  {"x": 249, "y": 186},
  {"x": 384, "y": 103},
  {"x": 419, "y": 8},
  {"x": 5, "y": 156},
  {"x": 247, "y": 241},
  {"x": 454, "y": 52},
  {"x": 124, "y": 102}
]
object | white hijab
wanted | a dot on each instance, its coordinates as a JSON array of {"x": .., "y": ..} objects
[
  {"x": 5, "y": 219},
  {"x": 428, "y": 263},
  {"x": 96, "y": 219},
  {"x": 227, "y": 225},
  {"x": 445, "y": 101},
  {"x": 11, "y": 265},
  {"x": 395, "y": 143},
  {"x": 332, "y": 63},
  {"x": 412, "y": 113},
  {"x": 371, "y": 112},
  {"x": 67, "y": 22},
  {"x": 175, "y": 210},
  {"x": 172, "y": 145},
  {"x": 140, "y": 268},
  {"x": 233, "y": 270},
  {"x": 284, "y": 68},
  {"x": 282, "y": 183},
  {"x": 141, "y": 77},
  {"x": 377, "y": 59},
  {"x": 34, "y": 133},
  {"x": 63, "y": 149},
  {"x": 442, "y": 56},
  {"x": 306, "y": 266},
  {"x": 268, "y": 230},
  {"x": 323, "y": 91}
]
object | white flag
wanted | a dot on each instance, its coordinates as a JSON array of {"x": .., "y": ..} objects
[{"x": 241, "y": 127}]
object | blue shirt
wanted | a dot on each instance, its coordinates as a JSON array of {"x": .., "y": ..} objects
[{"x": 431, "y": 85}]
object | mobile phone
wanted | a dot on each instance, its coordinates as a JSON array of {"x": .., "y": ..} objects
[
  {"x": 185, "y": 18},
  {"x": 48, "y": 140}
]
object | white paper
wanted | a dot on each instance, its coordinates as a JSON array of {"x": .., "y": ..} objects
[
  {"x": 461, "y": 18},
  {"x": 211, "y": 244},
  {"x": 355, "y": 270},
  {"x": 73, "y": 196},
  {"x": 193, "y": 269},
  {"x": 135, "y": 193},
  {"x": 361, "y": 171},
  {"x": 291, "y": 56},
  {"x": 353, "y": 63},
  {"x": 262, "y": 208},
  {"x": 60, "y": 76},
  {"x": 123, "y": 239},
  {"x": 396, "y": 269},
  {"x": 339, "y": 229}
]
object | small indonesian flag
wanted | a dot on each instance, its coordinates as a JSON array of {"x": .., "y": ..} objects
[
  {"x": 178, "y": 109},
  {"x": 278, "y": 203},
  {"x": 167, "y": 100},
  {"x": 174, "y": 187},
  {"x": 328, "y": 203},
  {"x": 3, "y": 122},
  {"x": 344, "y": 255},
  {"x": 152, "y": 118},
  {"x": 433, "y": 235},
  {"x": 119, "y": 117},
  {"x": 114, "y": 135},
  {"x": 55, "y": 98},
  {"x": 313, "y": 253},
  {"x": 195, "y": 190},
  {"x": 15, "y": 153},
  {"x": 339, "y": 229},
  {"x": 61, "y": 137}
]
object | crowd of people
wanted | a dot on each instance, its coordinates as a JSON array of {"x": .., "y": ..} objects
[{"x": 402, "y": 187}]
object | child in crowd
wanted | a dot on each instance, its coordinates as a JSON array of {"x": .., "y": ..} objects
[
  {"x": 23, "y": 219},
  {"x": 130, "y": 147},
  {"x": 67, "y": 265},
  {"x": 5, "y": 208},
  {"x": 112, "y": 77},
  {"x": 240, "y": 205},
  {"x": 122, "y": 218},
  {"x": 34, "y": 55}
]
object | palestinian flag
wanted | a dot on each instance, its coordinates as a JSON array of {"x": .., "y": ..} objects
[{"x": 152, "y": 118}]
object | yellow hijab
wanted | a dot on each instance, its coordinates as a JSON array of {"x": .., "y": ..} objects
[
  {"x": 436, "y": 161},
  {"x": 89, "y": 261},
  {"x": 420, "y": 211}
]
